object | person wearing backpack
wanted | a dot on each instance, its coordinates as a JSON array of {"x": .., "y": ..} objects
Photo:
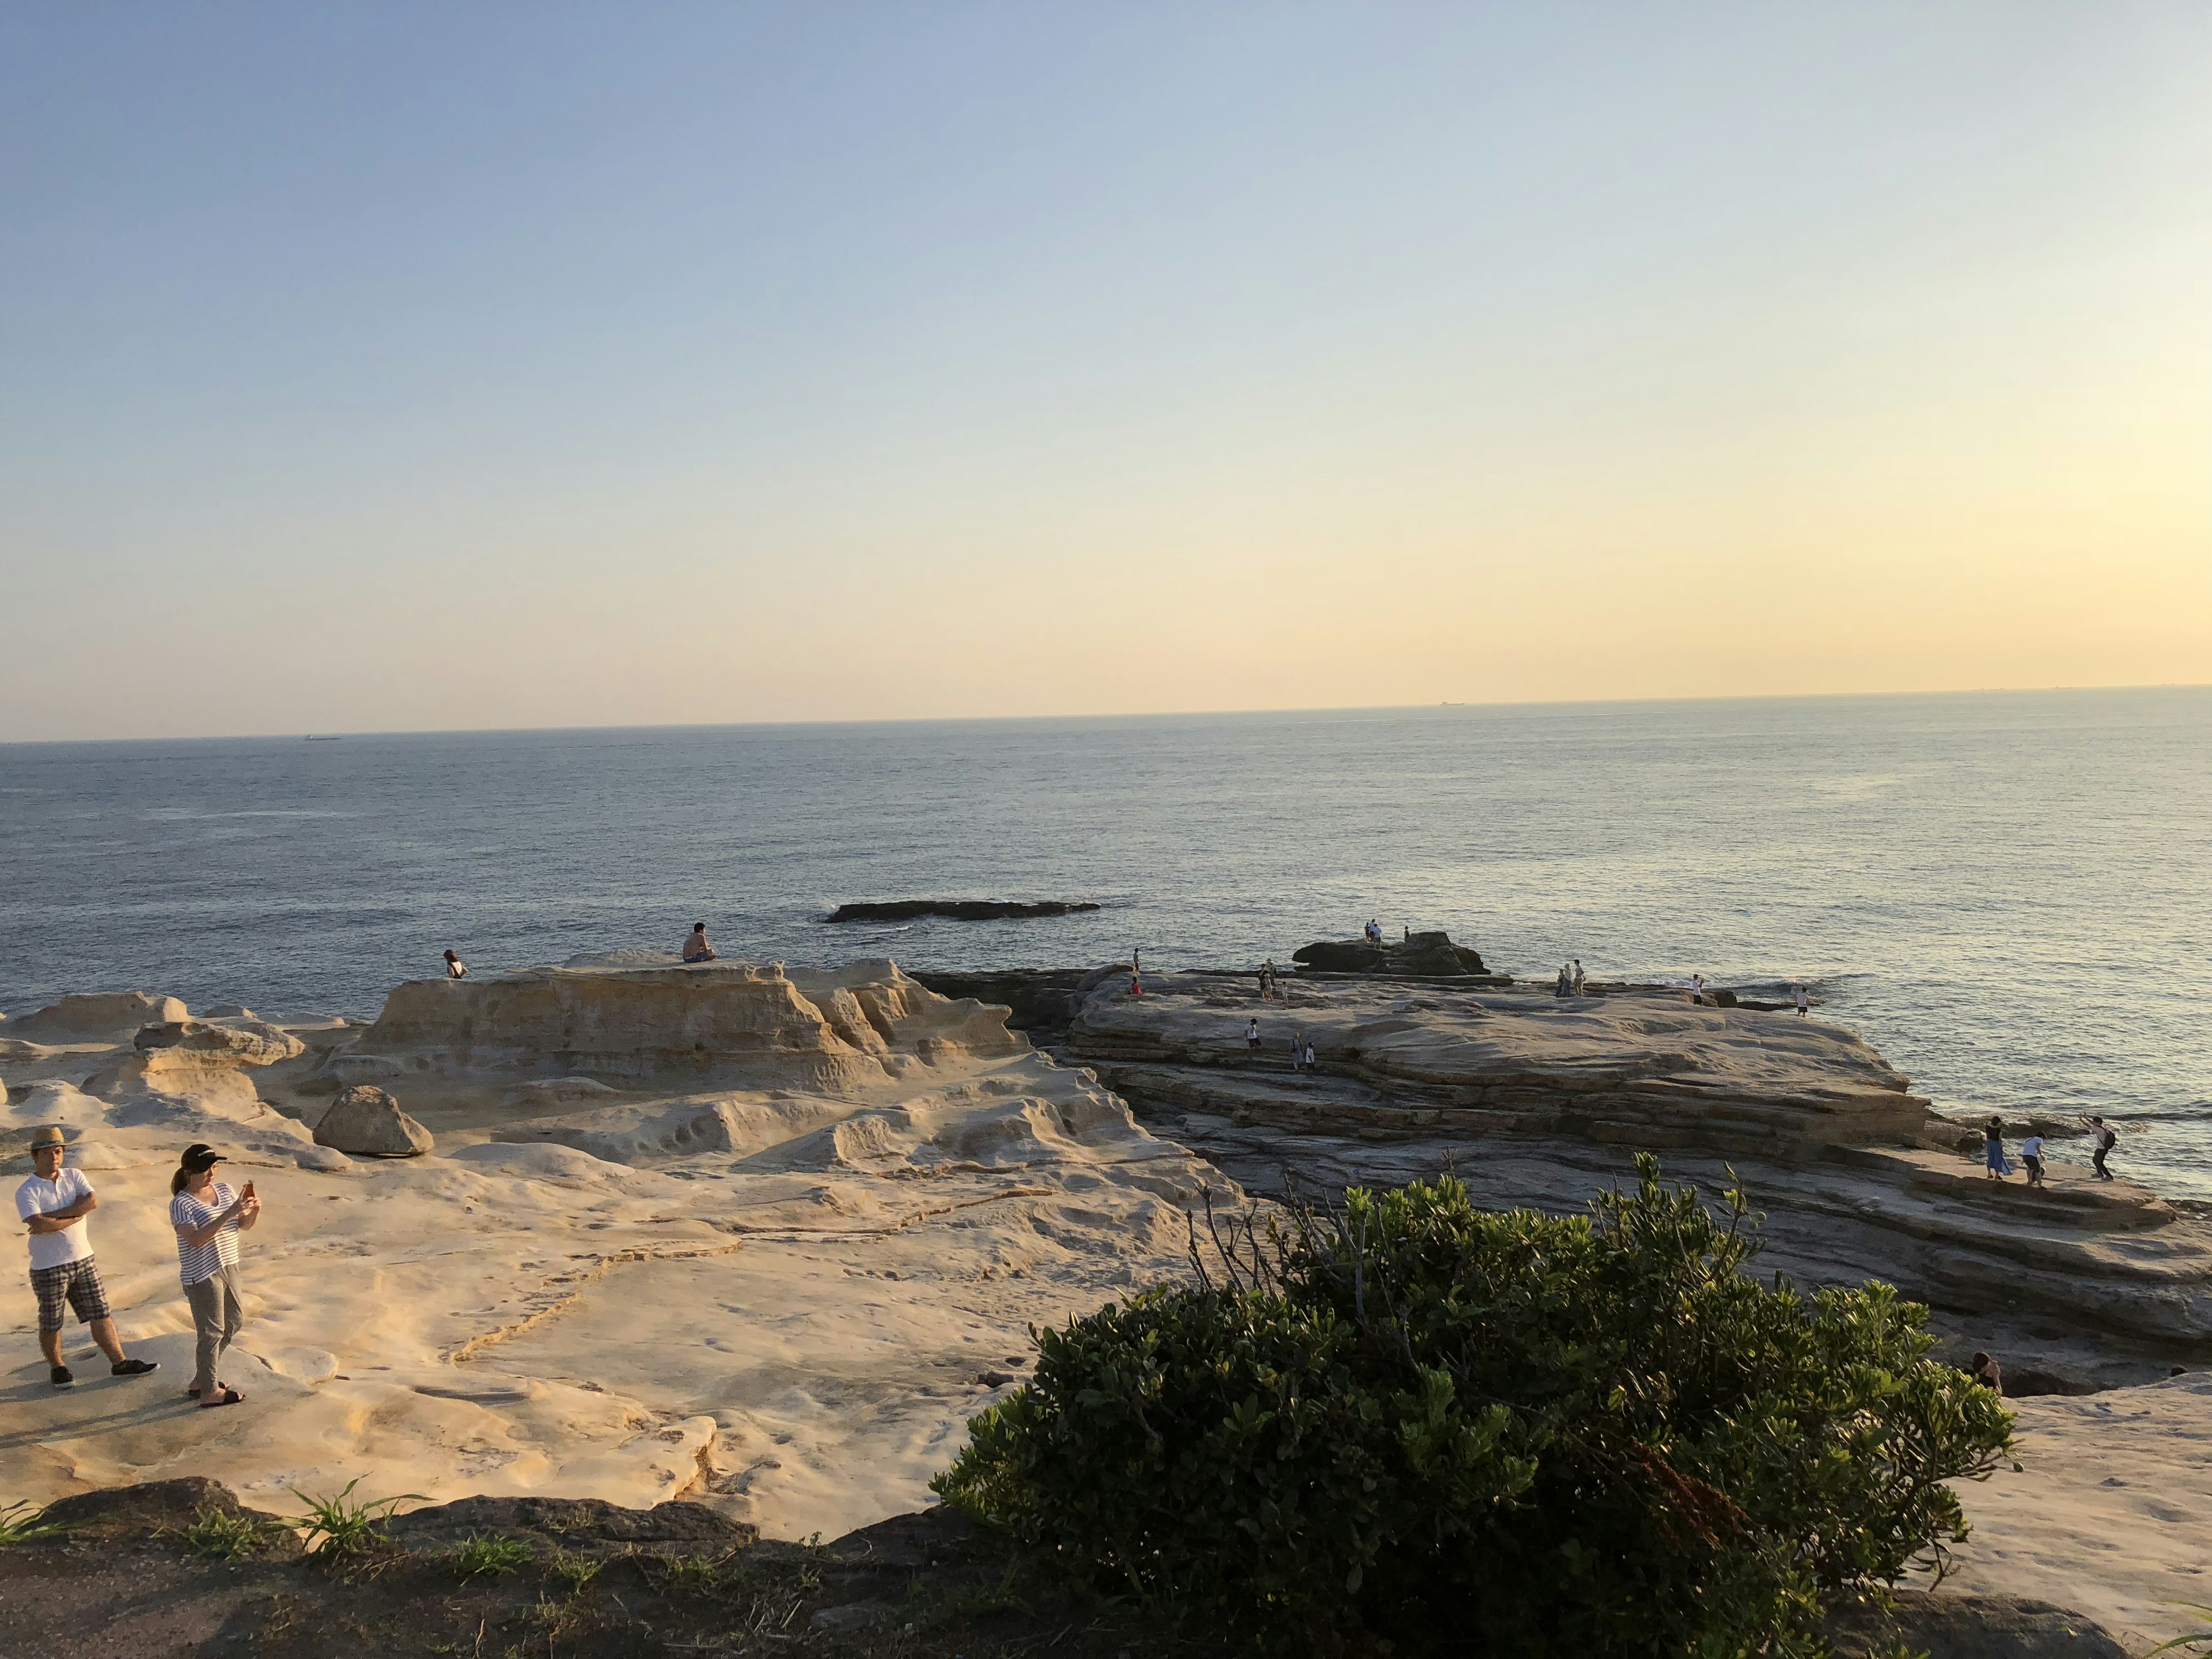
[{"x": 2106, "y": 1139}]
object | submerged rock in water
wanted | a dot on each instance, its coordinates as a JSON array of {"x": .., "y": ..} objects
[
  {"x": 955, "y": 909},
  {"x": 1425, "y": 956},
  {"x": 367, "y": 1122}
]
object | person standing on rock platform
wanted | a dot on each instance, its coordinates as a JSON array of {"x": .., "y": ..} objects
[
  {"x": 53, "y": 1203},
  {"x": 208, "y": 1216},
  {"x": 2030, "y": 1154},
  {"x": 1252, "y": 1035},
  {"x": 1698, "y": 989},
  {"x": 1310, "y": 1060},
  {"x": 1298, "y": 1052},
  {"x": 1993, "y": 1152},
  {"x": 2106, "y": 1139},
  {"x": 1804, "y": 1002},
  {"x": 1577, "y": 979},
  {"x": 696, "y": 948}
]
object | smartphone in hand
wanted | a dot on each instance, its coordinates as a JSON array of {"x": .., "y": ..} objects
[{"x": 248, "y": 1193}]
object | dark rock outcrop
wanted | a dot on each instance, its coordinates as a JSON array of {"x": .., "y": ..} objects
[
  {"x": 1043, "y": 1000},
  {"x": 121, "y": 1511},
  {"x": 571, "y": 1522},
  {"x": 1423, "y": 956},
  {"x": 954, "y": 909},
  {"x": 1968, "y": 1627}
]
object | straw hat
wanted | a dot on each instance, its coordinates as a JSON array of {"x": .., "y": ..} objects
[{"x": 49, "y": 1136}]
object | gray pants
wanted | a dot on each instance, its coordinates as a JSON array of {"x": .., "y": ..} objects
[{"x": 217, "y": 1312}]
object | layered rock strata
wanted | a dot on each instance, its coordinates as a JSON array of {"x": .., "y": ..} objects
[{"x": 1533, "y": 1099}]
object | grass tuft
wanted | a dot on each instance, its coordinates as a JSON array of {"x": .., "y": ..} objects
[
  {"x": 19, "y": 1524},
  {"x": 339, "y": 1527},
  {"x": 221, "y": 1534},
  {"x": 480, "y": 1554}
]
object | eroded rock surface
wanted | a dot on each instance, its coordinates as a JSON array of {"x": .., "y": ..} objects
[
  {"x": 367, "y": 1122},
  {"x": 96, "y": 1017}
]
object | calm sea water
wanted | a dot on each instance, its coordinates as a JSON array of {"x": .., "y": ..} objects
[{"x": 2008, "y": 893}]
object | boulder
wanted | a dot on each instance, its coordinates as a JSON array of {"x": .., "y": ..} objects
[
  {"x": 97, "y": 1016},
  {"x": 1945, "y": 1626},
  {"x": 367, "y": 1122},
  {"x": 249, "y": 1041},
  {"x": 1426, "y": 956}
]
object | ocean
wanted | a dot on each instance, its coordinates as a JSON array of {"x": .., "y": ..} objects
[{"x": 2006, "y": 892}]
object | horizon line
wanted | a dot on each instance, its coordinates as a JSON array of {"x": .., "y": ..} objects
[{"x": 1128, "y": 714}]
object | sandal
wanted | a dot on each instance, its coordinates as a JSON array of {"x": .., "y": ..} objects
[
  {"x": 193, "y": 1393},
  {"x": 223, "y": 1397}
]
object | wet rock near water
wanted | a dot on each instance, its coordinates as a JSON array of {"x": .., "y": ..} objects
[
  {"x": 1424, "y": 955},
  {"x": 955, "y": 909}
]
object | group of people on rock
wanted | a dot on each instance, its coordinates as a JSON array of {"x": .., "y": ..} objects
[
  {"x": 207, "y": 1216},
  {"x": 1570, "y": 982},
  {"x": 2102, "y": 1138}
]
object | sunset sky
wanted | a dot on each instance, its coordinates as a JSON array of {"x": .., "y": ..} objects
[{"x": 392, "y": 367}]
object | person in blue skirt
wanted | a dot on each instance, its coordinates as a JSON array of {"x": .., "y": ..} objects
[{"x": 1993, "y": 1153}]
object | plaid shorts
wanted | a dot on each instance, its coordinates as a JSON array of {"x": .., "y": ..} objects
[{"x": 76, "y": 1283}]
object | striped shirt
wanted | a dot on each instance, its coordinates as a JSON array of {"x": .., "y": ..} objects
[{"x": 198, "y": 1263}]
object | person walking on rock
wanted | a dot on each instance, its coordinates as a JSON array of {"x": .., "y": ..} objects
[
  {"x": 208, "y": 1216},
  {"x": 2106, "y": 1139},
  {"x": 53, "y": 1204},
  {"x": 1993, "y": 1152}
]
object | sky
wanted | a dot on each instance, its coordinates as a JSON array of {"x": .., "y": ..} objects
[{"x": 394, "y": 367}]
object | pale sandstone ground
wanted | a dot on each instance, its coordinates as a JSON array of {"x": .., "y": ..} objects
[
  {"x": 757, "y": 1239},
  {"x": 792, "y": 1323}
]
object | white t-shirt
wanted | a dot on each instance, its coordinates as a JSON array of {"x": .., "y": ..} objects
[
  {"x": 38, "y": 1196},
  {"x": 2032, "y": 1147},
  {"x": 198, "y": 1263}
]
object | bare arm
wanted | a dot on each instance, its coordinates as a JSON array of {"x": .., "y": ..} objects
[
  {"x": 55, "y": 1221},
  {"x": 197, "y": 1237}
]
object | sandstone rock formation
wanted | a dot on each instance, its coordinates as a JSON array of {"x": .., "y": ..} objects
[
  {"x": 1422, "y": 956},
  {"x": 954, "y": 909},
  {"x": 96, "y": 1017},
  {"x": 246, "y": 1040},
  {"x": 838, "y": 1032},
  {"x": 367, "y": 1122},
  {"x": 1533, "y": 1100}
]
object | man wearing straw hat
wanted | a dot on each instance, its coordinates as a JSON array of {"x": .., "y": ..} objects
[{"x": 54, "y": 1203}]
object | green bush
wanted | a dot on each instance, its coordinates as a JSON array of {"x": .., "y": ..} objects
[{"x": 1408, "y": 1417}]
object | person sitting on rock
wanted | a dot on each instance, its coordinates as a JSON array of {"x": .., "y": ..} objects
[
  {"x": 455, "y": 968},
  {"x": 53, "y": 1203},
  {"x": 1987, "y": 1372},
  {"x": 696, "y": 948}
]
